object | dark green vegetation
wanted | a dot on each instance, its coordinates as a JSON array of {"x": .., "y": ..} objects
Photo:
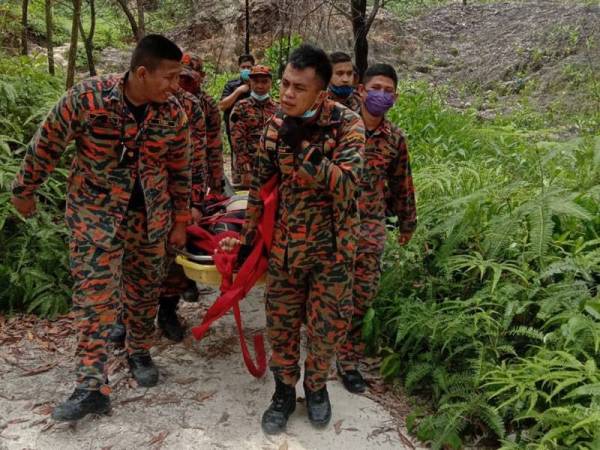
[
  {"x": 492, "y": 313},
  {"x": 490, "y": 316}
]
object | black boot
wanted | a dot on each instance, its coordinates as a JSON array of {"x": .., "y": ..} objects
[
  {"x": 282, "y": 406},
  {"x": 318, "y": 406},
  {"x": 168, "y": 321},
  {"x": 81, "y": 403},
  {"x": 143, "y": 369},
  {"x": 352, "y": 379},
  {"x": 191, "y": 293},
  {"x": 117, "y": 334}
]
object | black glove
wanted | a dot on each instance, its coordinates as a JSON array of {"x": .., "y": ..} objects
[
  {"x": 292, "y": 132},
  {"x": 243, "y": 254}
]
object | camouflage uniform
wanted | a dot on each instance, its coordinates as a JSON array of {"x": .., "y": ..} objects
[
  {"x": 352, "y": 101},
  {"x": 314, "y": 240},
  {"x": 212, "y": 161},
  {"x": 176, "y": 281},
  {"x": 247, "y": 123},
  {"x": 386, "y": 183},
  {"x": 116, "y": 253},
  {"x": 214, "y": 146}
]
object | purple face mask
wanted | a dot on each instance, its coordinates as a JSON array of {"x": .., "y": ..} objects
[{"x": 379, "y": 102}]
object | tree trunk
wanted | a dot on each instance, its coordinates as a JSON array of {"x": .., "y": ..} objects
[
  {"x": 49, "y": 36},
  {"x": 88, "y": 41},
  {"x": 24, "y": 26},
  {"x": 141, "y": 23},
  {"x": 360, "y": 29},
  {"x": 73, "y": 45},
  {"x": 130, "y": 18},
  {"x": 247, "y": 40}
]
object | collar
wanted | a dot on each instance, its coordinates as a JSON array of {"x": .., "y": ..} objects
[
  {"x": 328, "y": 114},
  {"x": 385, "y": 128},
  {"x": 116, "y": 92}
]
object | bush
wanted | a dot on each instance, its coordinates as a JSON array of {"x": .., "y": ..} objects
[
  {"x": 492, "y": 312},
  {"x": 34, "y": 273}
]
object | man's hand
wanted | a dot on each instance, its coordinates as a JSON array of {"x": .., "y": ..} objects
[
  {"x": 242, "y": 89},
  {"x": 196, "y": 215},
  {"x": 292, "y": 132},
  {"x": 25, "y": 206},
  {"x": 177, "y": 236},
  {"x": 404, "y": 238}
]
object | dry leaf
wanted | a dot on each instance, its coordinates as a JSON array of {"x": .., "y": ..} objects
[
  {"x": 185, "y": 381},
  {"x": 202, "y": 396},
  {"x": 338, "y": 426},
  {"x": 159, "y": 439},
  {"x": 284, "y": 446}
]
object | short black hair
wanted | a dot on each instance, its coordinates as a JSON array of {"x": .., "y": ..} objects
[
  {"x": 307, "y": 56},
  {"x": 244, "y": 58},
  {"x": 153, "y": 48},
  {"x": 384, "y": 70},
  {"x": 339, "y": 57}
]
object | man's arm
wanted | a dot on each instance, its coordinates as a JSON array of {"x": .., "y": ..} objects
[
  {"x": 178, "y": 168},
  {"x": 340, "y": 174},
  {"x": 238, "y": 131},
  {"x": 198, "y": 142},
  {"x": 44, "y": 151},
  {"x": 214, "y": 146},
  {"x": 230, "y": 95},
  {"x": 264, "y": 168},
  {"x": 401, "y": 199}
]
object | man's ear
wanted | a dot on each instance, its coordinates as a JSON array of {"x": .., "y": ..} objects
[
  {"x": 140, "y": 72},
  {"x": 361, "y": 90}
]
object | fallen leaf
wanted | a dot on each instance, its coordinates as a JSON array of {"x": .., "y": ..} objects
[
  {"x": 202, "y": 396},
  {"x": 159, "y": 439},
  {"x": 338, "y": 426},
  {"x": 185, "y": 381},
  {"x": 284, "y": 446},
  {"x": 44, "y": 410},
  {"x": 39, "y": 370}
]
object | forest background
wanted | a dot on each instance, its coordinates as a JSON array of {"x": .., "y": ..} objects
[{"x": 489, "y": 320}]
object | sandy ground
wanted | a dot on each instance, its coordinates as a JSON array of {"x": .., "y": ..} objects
[{"x": 205, "y": 397}]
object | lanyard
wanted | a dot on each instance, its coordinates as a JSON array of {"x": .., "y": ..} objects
[{"x": 140, "y": 133}]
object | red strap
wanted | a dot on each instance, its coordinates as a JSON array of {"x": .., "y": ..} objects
[{"x": 233, "y": 291}]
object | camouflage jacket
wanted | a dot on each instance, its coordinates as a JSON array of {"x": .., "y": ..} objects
[
  {"x": 352, "y": 101},
  {"x": 214, "y": 146},
  {"x": 386, "y": 182},
  {"x": 317, "y": 219},
  {"x": 193, "y": 110},
  {"x": 246, "y": 124},
  {"x": 93, "y": 114}
]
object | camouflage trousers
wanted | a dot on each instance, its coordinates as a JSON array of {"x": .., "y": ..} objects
[
  {"x": 321, "y": 297},
  {"x": 367, "y": 272},
  {"x": 175, "y": 283},
  {"x": 127, "y": 276}
]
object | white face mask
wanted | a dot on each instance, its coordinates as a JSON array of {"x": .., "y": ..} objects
[{"x": 260, "y": 98}]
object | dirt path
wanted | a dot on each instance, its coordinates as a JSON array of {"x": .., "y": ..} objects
[{"x": 205, "y": 397}]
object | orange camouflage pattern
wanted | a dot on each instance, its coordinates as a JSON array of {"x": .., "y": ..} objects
[
  {"x": 213, "y": 169},
  {"x": 386, "y": 185},
  {"x": 117, "y": 254},
  {"x": 314, "y": 241},
  {"x": 353, "y": 101},
  {"x": 247, "y": 122},
  {"x": 125, "y": 279},
  {"x": 99, "y": 188}
]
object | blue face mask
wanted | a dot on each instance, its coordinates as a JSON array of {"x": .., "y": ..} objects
[
  {"x": 260, "y": 98},
  {"x": 245, "y": 74},
  {"x": 341, "y": 91},
  {"x": 308, "y": 114}
]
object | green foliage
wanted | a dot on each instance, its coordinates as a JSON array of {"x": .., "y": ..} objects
[
  {"x": 492, "y": 312},
  {"x": 34, "y": 273}
]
